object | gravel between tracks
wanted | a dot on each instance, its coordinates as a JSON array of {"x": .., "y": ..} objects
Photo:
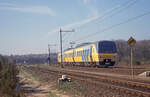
[{"x": 124, "y": 70}]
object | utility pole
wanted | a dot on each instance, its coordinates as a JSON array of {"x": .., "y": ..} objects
[
  {"x": 132, "y": 69},
  {"x": 49, "y": 57},
  {"x": 61, "y": 44}
]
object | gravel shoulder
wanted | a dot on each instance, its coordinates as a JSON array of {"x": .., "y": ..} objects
[{"x": 32, "y": 87}]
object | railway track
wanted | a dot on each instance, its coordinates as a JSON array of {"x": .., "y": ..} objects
[{"x": 131, "y": 87}]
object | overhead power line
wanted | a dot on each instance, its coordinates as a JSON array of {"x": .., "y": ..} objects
[
  {"x": 115, "y": 25},
  {"x": 118, "y": 9},
  {"x": 115, "y": 10}
]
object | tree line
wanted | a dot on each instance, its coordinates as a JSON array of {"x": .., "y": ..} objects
[{"x": 141, "y": 54}]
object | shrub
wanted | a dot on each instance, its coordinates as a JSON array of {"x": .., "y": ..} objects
[{"x": 8, "y": 77}]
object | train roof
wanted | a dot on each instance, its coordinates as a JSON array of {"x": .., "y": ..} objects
[
  {"x": 83, "y": 44},
  {"x": 68, "y": 49},
  {"x": 87, "y": 43}
]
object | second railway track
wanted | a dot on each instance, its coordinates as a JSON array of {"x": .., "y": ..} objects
[{"x": 131, "y": 87}]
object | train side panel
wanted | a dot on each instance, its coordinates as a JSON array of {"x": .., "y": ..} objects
[
  {"x": 78, "y": 54},
  {"x": 94, "y": 53},
  {"x": 68, "y": 56},
  {"x": 59, "y": 58}
]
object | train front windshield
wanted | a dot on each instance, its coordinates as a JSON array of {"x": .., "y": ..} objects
[{"x": 107, "y": 47}]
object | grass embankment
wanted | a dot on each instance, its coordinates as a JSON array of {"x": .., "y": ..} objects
[
  {"x": 73, "y": 88},
  {"x": 30, "y": 75},
  {"x": 52, "y": 95}
]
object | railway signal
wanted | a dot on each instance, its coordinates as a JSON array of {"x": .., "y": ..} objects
[{"x": 131, "y": 42}]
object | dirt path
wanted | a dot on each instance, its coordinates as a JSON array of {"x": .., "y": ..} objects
[{"x": 33, "y": 88}]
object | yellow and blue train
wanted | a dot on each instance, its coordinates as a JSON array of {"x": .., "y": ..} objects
[{"x": 101, "y": 53}]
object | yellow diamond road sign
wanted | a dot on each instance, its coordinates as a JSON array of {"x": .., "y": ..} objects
[{"x": 131, "y": 41}]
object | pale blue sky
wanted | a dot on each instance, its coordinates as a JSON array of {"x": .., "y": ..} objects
[{"x": 28, "y": 26}]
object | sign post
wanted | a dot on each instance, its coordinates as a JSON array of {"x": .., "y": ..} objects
[{"x": 131, "y": 42}]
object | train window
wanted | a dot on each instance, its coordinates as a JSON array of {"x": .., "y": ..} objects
[
  {"x": 80, "y": 53},
  {"x": 86, "y": 52}
]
